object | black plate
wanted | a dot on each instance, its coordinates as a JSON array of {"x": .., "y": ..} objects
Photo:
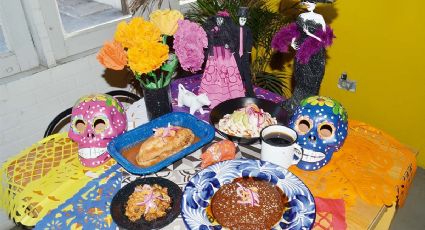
[
  {"x": 229, "y": 106},
  {"x": 120, "y": 199}
]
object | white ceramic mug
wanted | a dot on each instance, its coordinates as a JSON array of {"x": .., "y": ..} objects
[{"x": 278, "y": 146}]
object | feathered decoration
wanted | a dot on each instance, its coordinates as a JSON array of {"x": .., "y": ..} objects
[
  {"x": 308, "y": 48},
  {"x": 311, "y": 46},
  {"x": 283, "y": 38}
]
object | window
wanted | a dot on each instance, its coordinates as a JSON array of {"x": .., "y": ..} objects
[
  {"x": 82, "y": 14},
  {"x": 75, "y": 26},
  {"x": 3, "y": 47},
  {"x": 183, "y": 2},
  {"x": 17, "y": 51},
  {"x": 44, "y": 32}
]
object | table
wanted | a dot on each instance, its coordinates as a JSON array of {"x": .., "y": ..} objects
[{"x": 59, "y": 181}]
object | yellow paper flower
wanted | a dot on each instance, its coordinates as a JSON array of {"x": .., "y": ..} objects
[
  {"x": 147, "y": 56},
  {"x": 135, "y": 32},
  {"x": 166, "y": 20}
]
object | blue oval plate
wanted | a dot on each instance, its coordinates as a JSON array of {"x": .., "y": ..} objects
[
  {"x": 201, "y": 129},
  {"x": 301, "y": 210}
]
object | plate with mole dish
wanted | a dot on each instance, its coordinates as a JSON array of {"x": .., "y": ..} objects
[{"x": 247, "y": 194}]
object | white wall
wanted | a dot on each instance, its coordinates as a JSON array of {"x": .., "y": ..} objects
[{"x": 29, "y": 104}]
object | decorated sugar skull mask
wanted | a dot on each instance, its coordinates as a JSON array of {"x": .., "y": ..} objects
[
  {"x": 321, "y": 125},
  {"x": 95, "y": 120}
]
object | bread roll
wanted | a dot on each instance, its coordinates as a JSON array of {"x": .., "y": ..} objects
[{"x": 164, "y": 143}]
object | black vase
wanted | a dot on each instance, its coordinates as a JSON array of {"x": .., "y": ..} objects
[{"x": 158, "y": 101}]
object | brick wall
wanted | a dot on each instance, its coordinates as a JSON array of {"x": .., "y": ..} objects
[{"x": 27, "y": 105}]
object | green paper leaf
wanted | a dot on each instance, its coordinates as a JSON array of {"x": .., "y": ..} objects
[
  {"x": 151, "y": 85},
  {"x": 171, "y": 65},
  {"x": 335, "y": 109},
  {"x": 161, "y": 80},
  {"x": 108, "y": 102},
  {"x": 167, "y": 81},
  {"x": 151, "y": 74}
]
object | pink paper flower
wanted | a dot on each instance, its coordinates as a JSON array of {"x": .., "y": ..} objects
[{"x": 190, "y": 40}]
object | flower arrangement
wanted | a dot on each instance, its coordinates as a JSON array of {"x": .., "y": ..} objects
[{"x": 141, "y": 46}]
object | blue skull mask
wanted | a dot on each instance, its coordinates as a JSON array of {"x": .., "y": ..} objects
[{"x": 321, "y": 125}]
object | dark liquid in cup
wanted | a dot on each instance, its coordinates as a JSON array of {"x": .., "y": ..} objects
[{"x": 278, "y": 139}]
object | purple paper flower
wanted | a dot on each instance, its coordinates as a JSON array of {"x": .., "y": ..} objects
[{"x": 190, "y": 40}]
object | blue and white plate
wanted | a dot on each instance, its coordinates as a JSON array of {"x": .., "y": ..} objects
[{"x": 301, "y": 211}]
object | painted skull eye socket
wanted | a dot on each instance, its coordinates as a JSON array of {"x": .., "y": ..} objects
[
  {"x": 326, "y": 130},
  {"x": 99, "y": 125},
  {"x": 80, "y": 126},
  {"x": 304, "y": 124}
]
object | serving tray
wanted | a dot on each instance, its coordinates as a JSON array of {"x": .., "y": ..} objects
[{"x": 201, "y": 129}]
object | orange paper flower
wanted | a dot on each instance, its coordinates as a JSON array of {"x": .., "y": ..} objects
[
  {"x": 146, "y": 57},
  {"x": 112, "y": 56},
  {"x": 136, "y": 31},
  {"x": 166, "y": 20}
]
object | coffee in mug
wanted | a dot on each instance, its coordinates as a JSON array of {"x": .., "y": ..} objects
[
  {"x": 278, "y": 146},
  {"x": 278, "y": 139}
]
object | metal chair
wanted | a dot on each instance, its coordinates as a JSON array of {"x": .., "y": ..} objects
[{"x": 62, "y": 119}]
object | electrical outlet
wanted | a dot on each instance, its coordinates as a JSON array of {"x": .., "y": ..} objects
[{"x": 344, "y": 83}]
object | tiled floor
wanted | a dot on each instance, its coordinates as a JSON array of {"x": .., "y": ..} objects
[{"x": 412, "y": 215}]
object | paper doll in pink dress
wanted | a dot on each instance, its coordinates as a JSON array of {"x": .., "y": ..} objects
[{"x": 221, "y": 79}]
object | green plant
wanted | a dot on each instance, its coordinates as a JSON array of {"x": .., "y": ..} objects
[
  {"x": 201, "y": 10},
  {"x": 263, "y": 22},
  {"x": 264, "y": 25}
]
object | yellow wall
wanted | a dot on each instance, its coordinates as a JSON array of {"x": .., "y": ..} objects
[{"x": 381, "y": 45}]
